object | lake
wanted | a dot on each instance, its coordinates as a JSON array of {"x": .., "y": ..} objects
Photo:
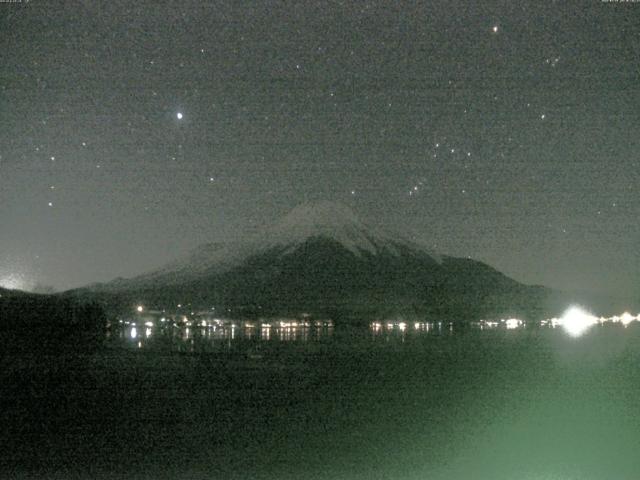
[{"x": 395, "y": 399}]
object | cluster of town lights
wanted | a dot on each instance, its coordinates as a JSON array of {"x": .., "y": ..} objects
[
  {"x": 203, "y": 319},
  {"x": 575, "y": 322}
]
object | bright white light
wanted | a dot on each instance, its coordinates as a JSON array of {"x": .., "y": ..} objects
[
  {"x": 179, "y": 115},
  {"x": 512, "y": 323},
  {"x": 576, "y": 321},
  {"x": 13, "y": 282},
  {"x": 495, "y": 29},
  {"x": 627, "y": 318},
  {"x": 134, "y": 332},
  {"x": 148, "y": 324},
  {"x": 402, "y": 326},
  {"x": 139, "y": 308}
]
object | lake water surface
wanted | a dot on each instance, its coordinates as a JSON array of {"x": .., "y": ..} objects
[{"x": 383, "y": 401}]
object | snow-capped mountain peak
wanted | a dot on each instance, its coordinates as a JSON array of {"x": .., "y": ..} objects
[
  {"x": 325, "y": 219},
  {"x": 339, "y": 223}
]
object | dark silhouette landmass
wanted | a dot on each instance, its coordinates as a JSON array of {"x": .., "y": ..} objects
[
  {"x": 322, "y": 278},
  {"x": 34, "y": 323}
]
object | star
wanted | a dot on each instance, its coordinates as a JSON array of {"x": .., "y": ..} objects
[
  {"x": 179, "y": 115},
  {"x": 50, "y": 204},
  {"x": 495, "y": 29}
]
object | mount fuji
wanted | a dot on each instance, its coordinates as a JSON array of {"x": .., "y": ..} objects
[{"x": 322, "y": 259}]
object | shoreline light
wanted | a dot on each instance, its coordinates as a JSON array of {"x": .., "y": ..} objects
[
  {"x": 576, "y": 321},
  {"x": 512, "y": 323},
  {"x": 626, "y": 318}
]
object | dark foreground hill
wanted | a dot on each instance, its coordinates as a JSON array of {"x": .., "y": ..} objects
[{"x": 31, "y": 323}]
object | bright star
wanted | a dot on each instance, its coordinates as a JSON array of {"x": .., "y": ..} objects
[
  {"x": 179, "y": 115},
  {"x": 495, "y": 29}
]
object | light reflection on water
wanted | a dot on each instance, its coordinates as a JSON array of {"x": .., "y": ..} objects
[
  {"x": 204, "y": 335},
  {"x": 497, "y": 408},
  {"x": 222, "y": 336}
]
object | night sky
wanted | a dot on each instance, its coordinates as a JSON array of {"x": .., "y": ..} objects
[{"x": 133, "y": 131}]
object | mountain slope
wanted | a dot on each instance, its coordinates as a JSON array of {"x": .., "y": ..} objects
[
  {"x": 322, "y": 259},
  {"x": 324, "y": 220}
]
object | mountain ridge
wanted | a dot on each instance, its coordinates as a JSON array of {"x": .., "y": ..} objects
[
  {"x": 322, "y": 219},
  {"x": 323, "y": 259}
]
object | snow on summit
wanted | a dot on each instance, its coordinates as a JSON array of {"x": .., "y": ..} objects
[
  {"x": 324, "y": 219},
  {"x": 336, "y": 222}
]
